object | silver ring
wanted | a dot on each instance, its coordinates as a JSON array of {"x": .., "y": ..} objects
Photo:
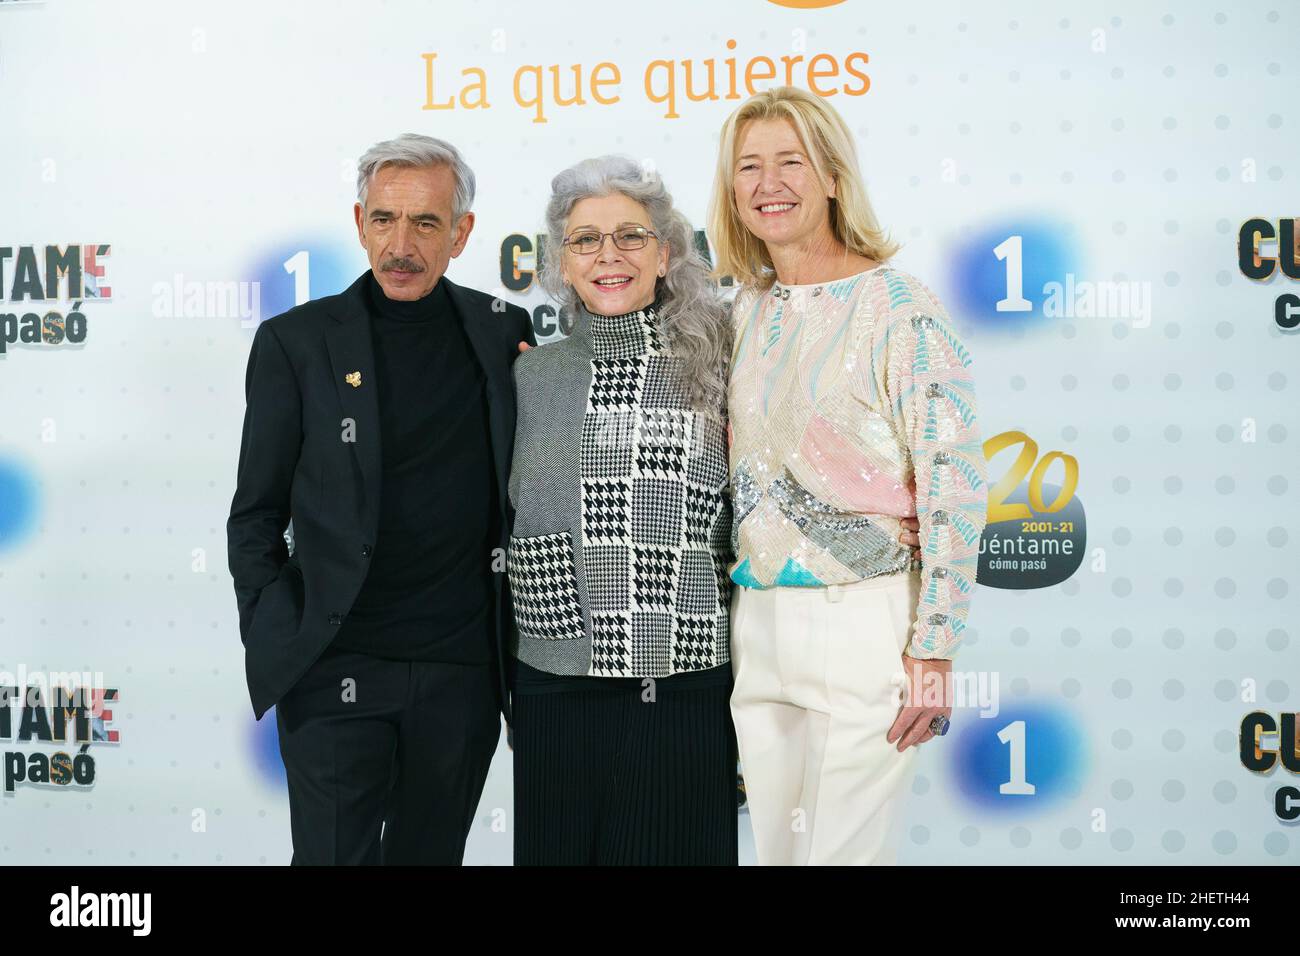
[{"x": 939, "y": 726}]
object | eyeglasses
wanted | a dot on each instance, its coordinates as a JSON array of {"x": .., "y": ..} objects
[{"x": 627, "y": 238}]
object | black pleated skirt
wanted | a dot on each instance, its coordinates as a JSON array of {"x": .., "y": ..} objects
[{"x": 604, "y": 777}]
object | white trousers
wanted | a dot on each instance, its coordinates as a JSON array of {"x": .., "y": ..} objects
[{"x": 818, "y": 685}]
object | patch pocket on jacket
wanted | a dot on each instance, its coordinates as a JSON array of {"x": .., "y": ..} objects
[{"x": 544, "y": 587}]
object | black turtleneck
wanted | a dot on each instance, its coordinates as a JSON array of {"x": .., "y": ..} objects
[{"x": 428, "y": 594}]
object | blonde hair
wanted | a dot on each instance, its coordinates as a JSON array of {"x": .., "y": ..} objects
[{"x": 829, "y": 144}]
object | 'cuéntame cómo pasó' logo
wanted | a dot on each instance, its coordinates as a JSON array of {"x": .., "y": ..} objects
[
  {"x": 43, "y": 290},
  {"x": 65, "y": 710}
]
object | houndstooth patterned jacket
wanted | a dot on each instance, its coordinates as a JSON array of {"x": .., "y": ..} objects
[{"x": 622, "y": 537}]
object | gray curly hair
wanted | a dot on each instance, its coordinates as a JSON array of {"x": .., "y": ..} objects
[{"x": 693, "y": 315}]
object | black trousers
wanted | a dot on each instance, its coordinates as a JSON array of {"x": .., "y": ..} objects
[
  {"x": 604, "y": 777},
  {"x": 403, "y": 746}
]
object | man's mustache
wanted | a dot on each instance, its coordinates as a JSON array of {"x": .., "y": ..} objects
[{"x": 401, "y": 265}]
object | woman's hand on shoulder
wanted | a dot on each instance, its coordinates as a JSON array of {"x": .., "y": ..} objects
[{"x": 910, "y": 535}]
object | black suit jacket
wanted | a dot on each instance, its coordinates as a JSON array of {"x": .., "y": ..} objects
[{"x": 295, "y": 465}]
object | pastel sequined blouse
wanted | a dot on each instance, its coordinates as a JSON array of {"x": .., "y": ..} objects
[{"x": 851, "y": 406}]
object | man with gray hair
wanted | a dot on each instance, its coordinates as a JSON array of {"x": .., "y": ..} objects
[{"x": 380, "y": 422}]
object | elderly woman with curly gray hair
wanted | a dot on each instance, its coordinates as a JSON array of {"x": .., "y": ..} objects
[{"x": 624, "y": 750}]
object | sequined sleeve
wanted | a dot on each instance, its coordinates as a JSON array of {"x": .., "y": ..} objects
[
  {"x": 738, "y": 311},
  {"x": 926, "y": 374}
]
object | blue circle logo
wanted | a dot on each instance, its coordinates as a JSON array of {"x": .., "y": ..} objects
[
  {"x": 264, "y": 741},
  {"x": 1023, "y": 760},
  {"x": 18, "y": 503},
  {"x": 1002, "y": 273},
  {"x": 296, "y": 272}
]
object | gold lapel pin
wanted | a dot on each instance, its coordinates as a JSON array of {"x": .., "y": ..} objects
[{"x": 353, "y": 379}]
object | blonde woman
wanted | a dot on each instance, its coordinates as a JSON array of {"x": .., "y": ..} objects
[{"x": 851, "y": 405}]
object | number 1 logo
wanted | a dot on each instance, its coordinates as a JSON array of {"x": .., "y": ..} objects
[{"x": 1014, "y": 734}]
